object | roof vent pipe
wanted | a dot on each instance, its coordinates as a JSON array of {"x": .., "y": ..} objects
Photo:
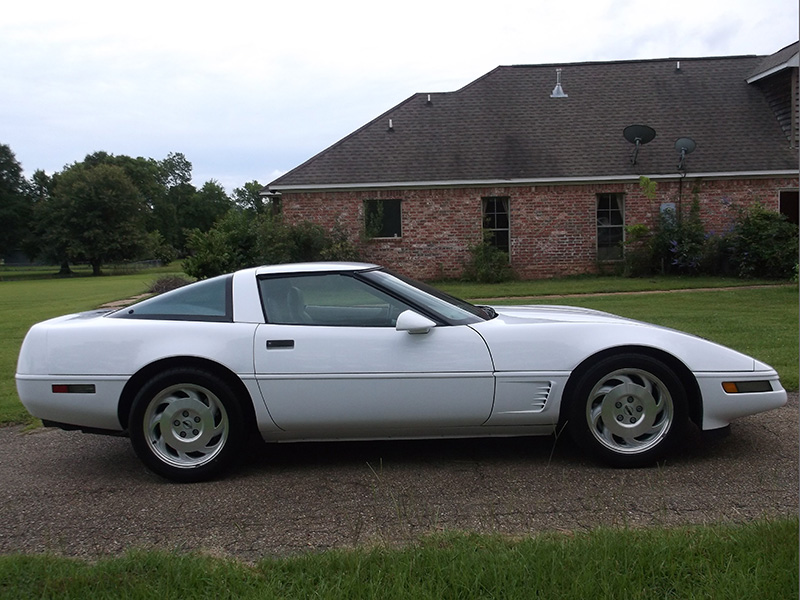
[{"x": 558, "y": 92}]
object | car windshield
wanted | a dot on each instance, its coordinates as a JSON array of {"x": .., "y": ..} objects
[{"x": 452, "y": 309}]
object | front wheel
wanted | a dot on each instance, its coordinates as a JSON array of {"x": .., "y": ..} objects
[
  {"x": 628, "y": 410},
  {"x": 186, "y": 425}
]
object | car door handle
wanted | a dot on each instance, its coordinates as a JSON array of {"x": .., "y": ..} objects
[{"x": 279, "y": 344}]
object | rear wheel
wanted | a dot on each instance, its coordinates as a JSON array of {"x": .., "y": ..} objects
[
  {"x": 629, "y": 410},
  {"x": 186, "y": 425}
]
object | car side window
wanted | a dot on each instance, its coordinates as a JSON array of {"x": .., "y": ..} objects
[
  {"x": 331, "y": 299},
  {"x": 208, "y": 300}
]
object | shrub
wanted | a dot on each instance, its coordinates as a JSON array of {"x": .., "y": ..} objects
[
  {"x": 638, "y": 251},
  {"x": 159, "y": 249},
  {"x": 487, "y": 264},
  {"x": 241, "y": 239},
  {"x": 678, "y": 242},
  {"x": 763, "y": 244},
  {"x": 340, "y": 247},
  {"x": 168, "y": 283}
]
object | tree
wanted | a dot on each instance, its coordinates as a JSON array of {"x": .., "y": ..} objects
[
  {"x": 248, "y": 197},
  {"x": 175, "y": 170},
  {"x": 209, "y": 204},
  {"x": 96, "y": 214},
  {"x": 15, "y": 203}
]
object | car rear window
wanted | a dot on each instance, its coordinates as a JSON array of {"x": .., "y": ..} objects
[{"x": 208, "y": 300}]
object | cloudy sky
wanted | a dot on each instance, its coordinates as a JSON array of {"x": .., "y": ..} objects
[{"x": 248, "y": 90}]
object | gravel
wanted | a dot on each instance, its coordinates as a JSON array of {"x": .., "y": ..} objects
[{"x": 83, "y": 495}]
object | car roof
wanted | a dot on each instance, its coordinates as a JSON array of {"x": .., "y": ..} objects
[{"x": 313, "y": 267}]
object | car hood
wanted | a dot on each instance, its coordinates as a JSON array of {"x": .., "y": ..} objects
[{"x": 556, "y": 314}]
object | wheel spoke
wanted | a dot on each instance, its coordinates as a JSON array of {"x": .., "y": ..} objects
[
  {"x": 186, "y": 425},
  {"x": 629, "y": 411}
]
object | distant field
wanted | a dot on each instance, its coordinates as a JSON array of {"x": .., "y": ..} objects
[{"x": 17, "y": 272}]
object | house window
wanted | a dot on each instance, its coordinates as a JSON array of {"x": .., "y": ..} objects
[
  {"x": 496, "y": 222},
  {"x": 789, "y": 206},
  {"x": 383, "y": 218},
  {"x": 610, "y": 226}
]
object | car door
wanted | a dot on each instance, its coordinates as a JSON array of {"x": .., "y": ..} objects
[{"x": 330, "y": 360}]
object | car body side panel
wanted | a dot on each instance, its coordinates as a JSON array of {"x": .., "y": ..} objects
[
  {"x": 321, "y": 378},
  {"x": 98, "y": 410},
  {"x": 527, "y": 398},
  {"x": 103, "y": 346},
  {"x": 91, "y": 349}
]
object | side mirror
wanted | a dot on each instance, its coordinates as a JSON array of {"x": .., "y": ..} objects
[{"x": 413, "y": 322}]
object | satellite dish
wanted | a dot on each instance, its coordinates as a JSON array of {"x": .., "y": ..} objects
[
  {"x": 685, "y": 146},
  {"x": 638, "y": 135}
]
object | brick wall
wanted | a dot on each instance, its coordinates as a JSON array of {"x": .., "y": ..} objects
[{"x": 553, "y": 228}]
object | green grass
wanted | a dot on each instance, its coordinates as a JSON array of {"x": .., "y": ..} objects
[{"x": 757, "y": 560}]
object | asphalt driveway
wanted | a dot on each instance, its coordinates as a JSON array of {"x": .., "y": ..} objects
[{"x": 83, "y": 495}]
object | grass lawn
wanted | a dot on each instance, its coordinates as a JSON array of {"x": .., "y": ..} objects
[{"x": 758, "y": 560}]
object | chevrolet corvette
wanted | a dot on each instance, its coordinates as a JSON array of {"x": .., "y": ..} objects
[{"x": 348, "y": 351}]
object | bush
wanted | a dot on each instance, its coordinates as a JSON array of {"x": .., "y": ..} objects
[
  {"x": 678, "y": 244},
  {"x": 761, "y": 243},
  {"x": 487, "y": 264},
  {"x": 764, "y": 244},
  {"x": 167, "y": 284},
  {"x": 638, "y": 251},
  {"x": 159, "y": 249},
  {"x": 241, "y": 239}
]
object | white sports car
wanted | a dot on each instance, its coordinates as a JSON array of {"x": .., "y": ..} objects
[{"x": 343, "y": 351}]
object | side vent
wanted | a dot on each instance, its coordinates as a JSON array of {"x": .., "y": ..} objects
[
  {"x": 519, "y": 400},
  {"x": 541, "y": 393}
]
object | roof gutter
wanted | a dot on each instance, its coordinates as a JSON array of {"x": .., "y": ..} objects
[{"x": 341, "y": 187}]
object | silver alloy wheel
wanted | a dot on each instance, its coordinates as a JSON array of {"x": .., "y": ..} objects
[
  {"x": 630, "y": 411},
  {"x": 186, "y": 425}
]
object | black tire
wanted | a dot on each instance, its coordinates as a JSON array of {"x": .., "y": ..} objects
[
  {"x": 628, "y": 410},
  {"x": 186, "y": 425}
]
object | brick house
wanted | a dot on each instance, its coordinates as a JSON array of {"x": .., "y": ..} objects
[{"x": 536, "y": 155}]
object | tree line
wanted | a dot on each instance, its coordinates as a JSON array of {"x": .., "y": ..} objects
[{"x": 109, "y": 209}]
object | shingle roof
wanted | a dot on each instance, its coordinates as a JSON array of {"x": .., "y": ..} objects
[
  {"x": 505, "y": 126},
  {"x": 780, "y": 60}
]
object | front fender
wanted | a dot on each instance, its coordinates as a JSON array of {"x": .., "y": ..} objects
[{"x": 548, "y": 346}]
